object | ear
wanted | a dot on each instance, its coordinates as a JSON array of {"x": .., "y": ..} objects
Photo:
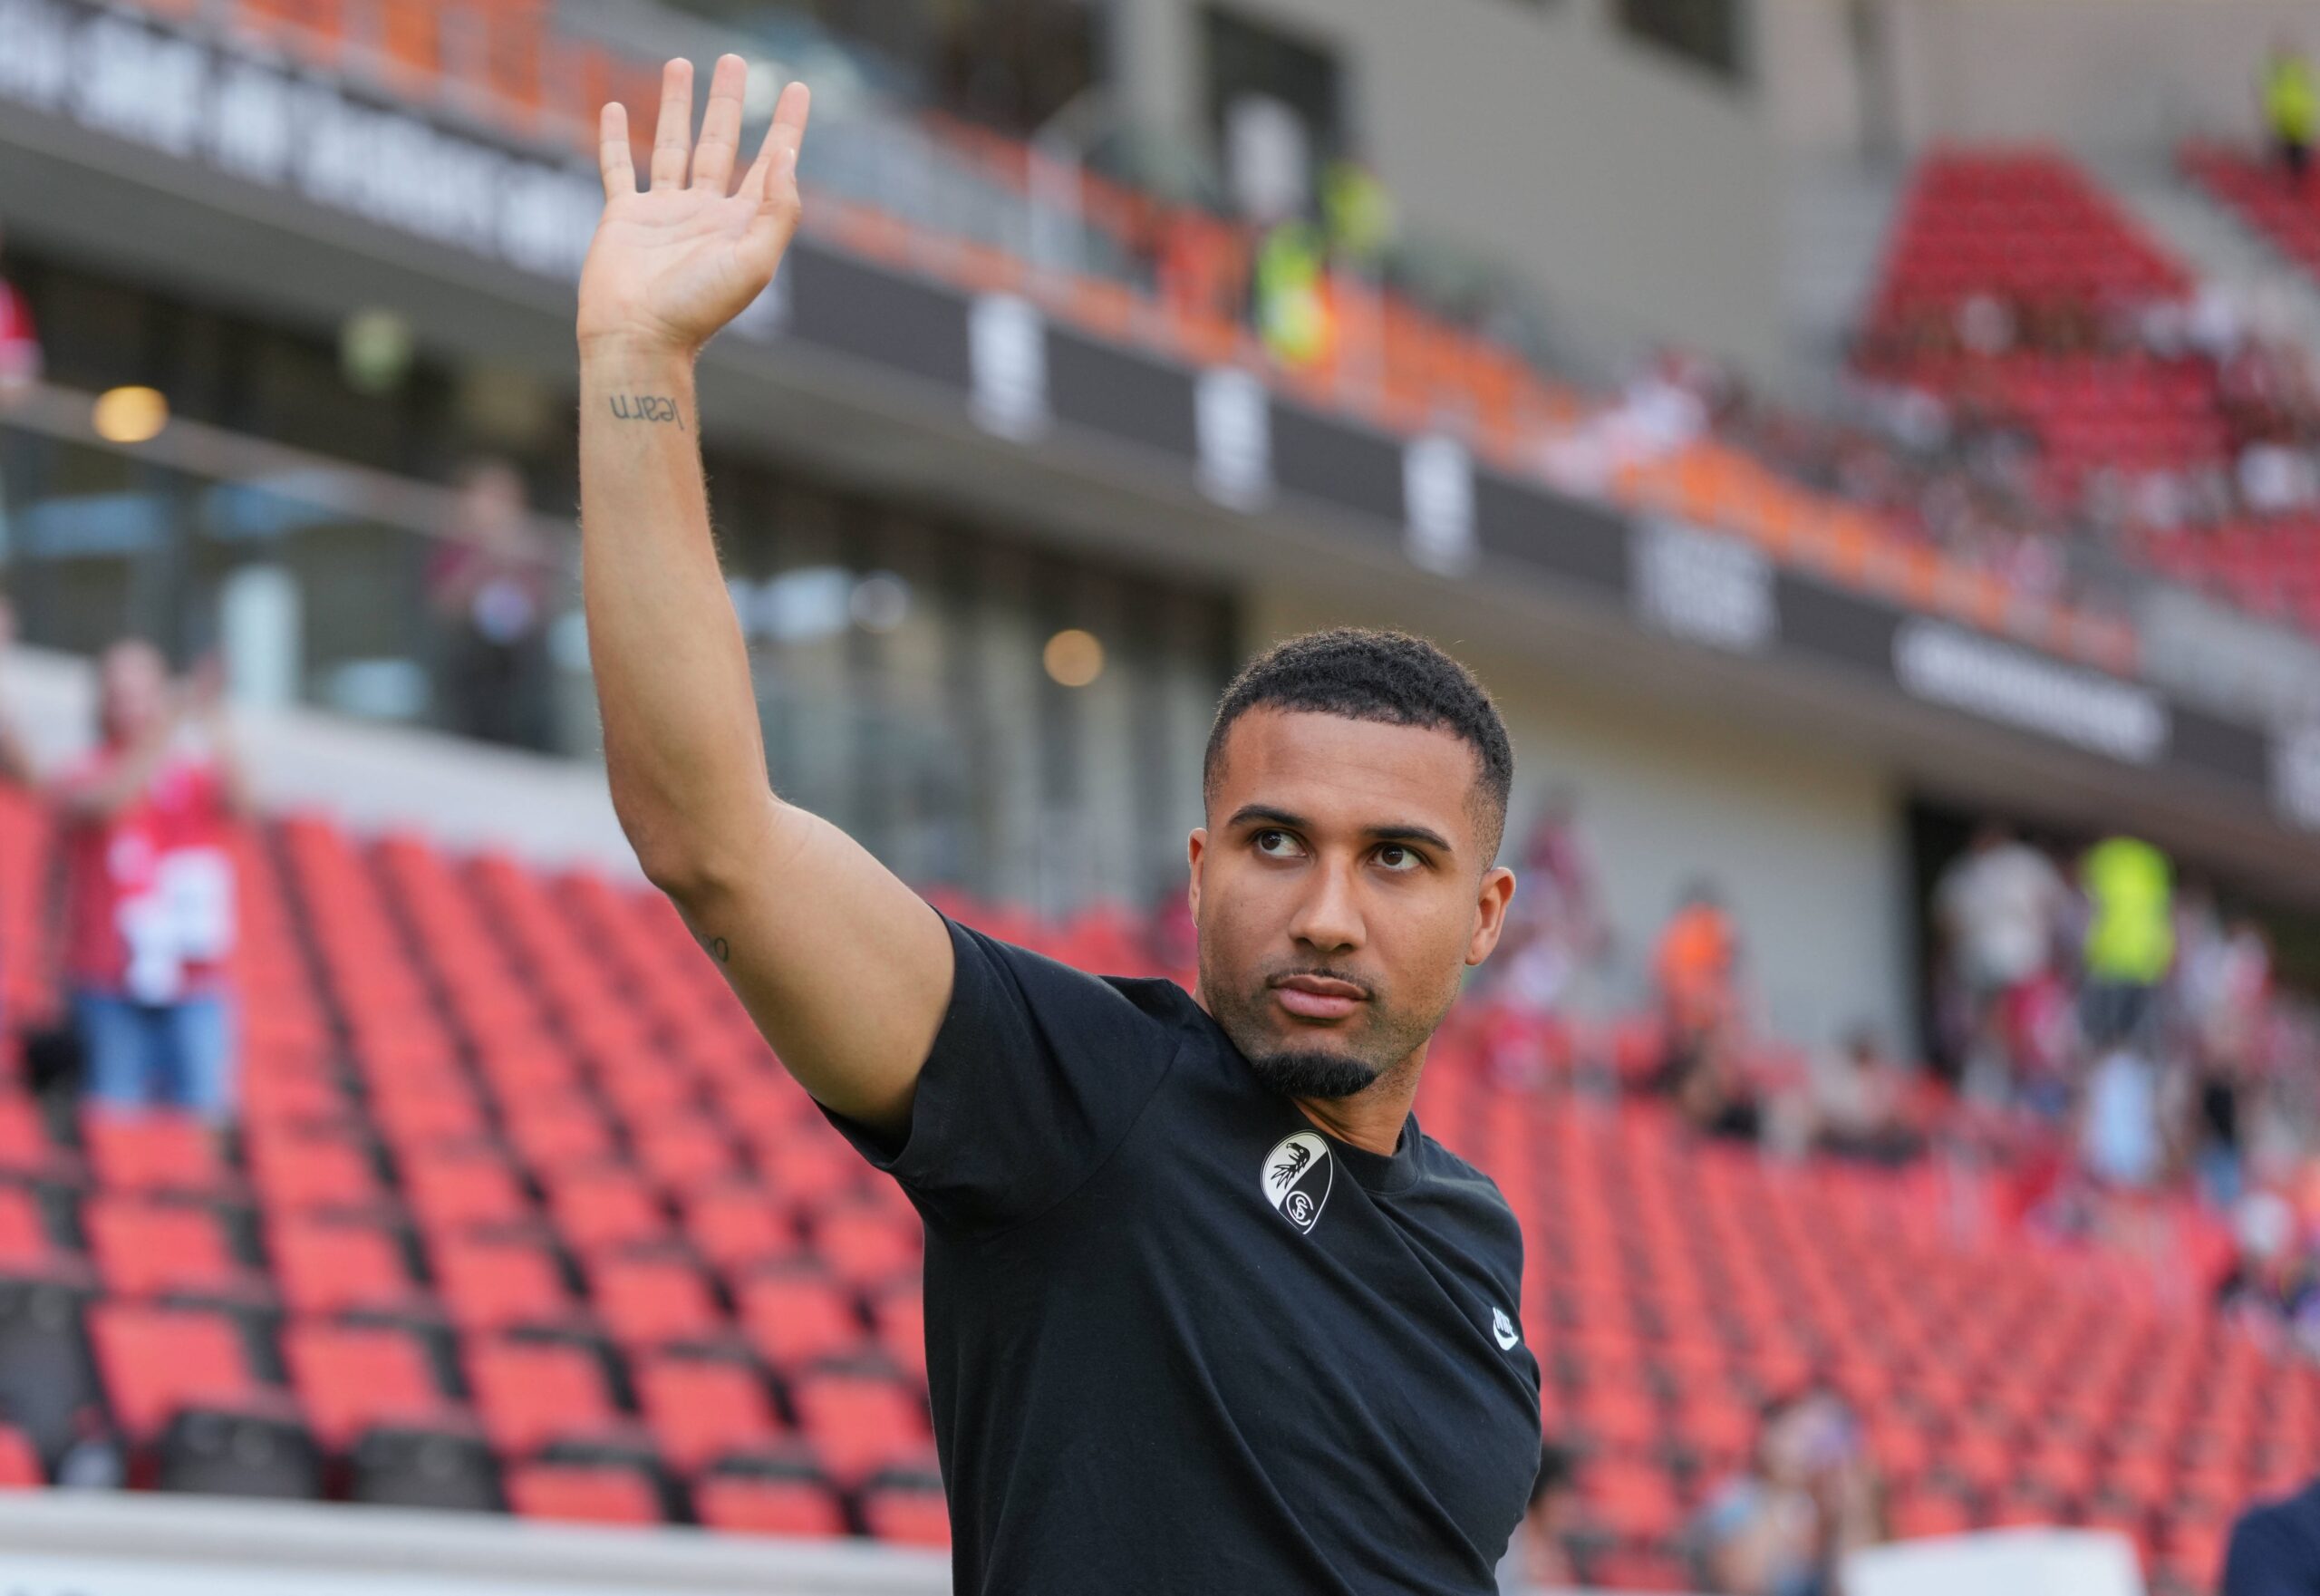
[
  {"x": 1195, "y": 847},
  {"x": 1490, "y": 912}
]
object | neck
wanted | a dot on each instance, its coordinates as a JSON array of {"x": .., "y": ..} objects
[{"x": 1372, "y": 1119}]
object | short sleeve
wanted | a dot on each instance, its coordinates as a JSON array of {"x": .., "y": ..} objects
[{"x": 1038, "y": 1073}]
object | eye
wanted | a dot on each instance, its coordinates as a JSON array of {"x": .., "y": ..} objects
[
  {"x": 1275, "y": 843},
  {"x": 1398, "y": 858}
]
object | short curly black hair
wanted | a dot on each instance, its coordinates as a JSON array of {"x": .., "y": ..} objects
[{"x": 1368, "y": 674}]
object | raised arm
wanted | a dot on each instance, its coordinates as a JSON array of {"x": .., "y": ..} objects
[{"x": 846, "y": 971}]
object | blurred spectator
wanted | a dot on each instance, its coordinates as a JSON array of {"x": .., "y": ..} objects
[
  {"x": 1555, "y": 924},
  {"x": 1537, "y": 1558},
  {"x": 2270, "y": 1281},
  {"x": 1360, "y": 214},
  {"x": 1289, "y": 294},
  {"x": 150, "y": 889},
  {"x": 2119, "y": 1133},
  {"x": 2130, "y": 936},
  {"x": 2000, "y": 905},
  {"x": 490, "y": 583},
  {"x": 20, "y": 356},
  {"x": 1860, "y": 1101},
  {"x": 2291, "y": 108},
  {"x": 1809, "y": 1498},
  {"x": 1695, "y": 967},
  {"x": 2274, "y": 1548},
  {"x": 92, "y": 1460},
  {"x": 1695, "y": 963}
]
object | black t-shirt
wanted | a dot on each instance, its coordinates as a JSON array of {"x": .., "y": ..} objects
[{"x": 1180, "y": 1340}]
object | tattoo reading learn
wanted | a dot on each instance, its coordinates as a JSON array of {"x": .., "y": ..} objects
[{"x": 647, "y": 407}]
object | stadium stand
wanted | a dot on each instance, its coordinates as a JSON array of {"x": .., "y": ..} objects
[
  {"x": 488, "y": 1313},
  {"x": 2285, "y": 214}
]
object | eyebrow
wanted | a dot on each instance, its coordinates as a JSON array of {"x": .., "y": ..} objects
[{"x": 1396, "y": 831}]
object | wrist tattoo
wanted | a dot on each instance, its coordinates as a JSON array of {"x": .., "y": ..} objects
[
  {"x": 647, "y": 407},
  {"x": 716, "y": 947}
]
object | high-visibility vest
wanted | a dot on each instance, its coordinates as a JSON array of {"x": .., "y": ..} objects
[
  {"x": 2291, "y": 98},
  {"x": 1292, "y": 314},
  {"x": 2130, "y": 887}
]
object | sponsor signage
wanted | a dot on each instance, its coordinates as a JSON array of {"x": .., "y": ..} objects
[{"x": 301, "y": 133}]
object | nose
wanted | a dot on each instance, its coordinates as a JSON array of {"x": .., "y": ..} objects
[{"x": 1328, "y": 915}]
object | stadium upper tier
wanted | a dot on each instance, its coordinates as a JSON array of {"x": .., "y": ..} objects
[
  {"x": 992, "y": 215},
  {"x": 520, "y": 1211},
  {"x": 2093, "y": 388}
]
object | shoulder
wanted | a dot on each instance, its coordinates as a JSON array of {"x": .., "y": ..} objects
[
  {"x": 1059, "y": 998},
  {"x": 1470, "y": 1194}
]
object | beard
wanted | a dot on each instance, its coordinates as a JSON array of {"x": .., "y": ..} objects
[{"x": 1308, "y": 1072}]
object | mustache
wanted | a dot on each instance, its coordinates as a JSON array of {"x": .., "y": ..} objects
[{"x": 1321, "y": 972}]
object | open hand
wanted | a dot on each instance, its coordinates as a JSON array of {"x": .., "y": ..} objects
[{"x": 671, "y": 265}]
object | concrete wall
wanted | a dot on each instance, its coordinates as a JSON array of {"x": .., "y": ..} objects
[
  {"x": 1639, "y": 194},
  {"x": 2114, "y": 77},
  {"x": 1804, "y": 840}
]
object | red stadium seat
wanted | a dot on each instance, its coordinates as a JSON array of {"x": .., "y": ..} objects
[
  {"x": 865, "y": 1247},
  {"x": 556, "y": 1133},
  {"x": 653, "y": 1302},
  {"x": 145, "y": 1248},
  {"x": 591, "y": 1493},
  {"x": 860, "y": 1423},
  {"x": 27, "y": 1251},
  {"x": 311, "y": 1171},
  {"x": 702, "y": 1411},
  {"x": 351, "y": 1377},
  {"x": 154, "y": 1151},
  {"x": 19, "y": 1460},
  {"x": 153, "y": 1362},
  {"x": 26, "y": 1146},
  {"x": 685, "y": 1153},
  {"x": 908, "y": 1512},
  {"x": 463, "y": 1188},
  {"x": 325, "y": 1266},
  {"x": 738, "y": 1228},
  {"x": 597, "y": 1210},
  {"x": 768, "y": 1506},
  {"x": 489, "y": 1284},
  {"x": 795, "y": 1318},
  {"x": 528, "y": 1395}
]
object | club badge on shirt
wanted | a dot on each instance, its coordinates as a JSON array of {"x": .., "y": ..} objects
[{"x": 1296, "y": 1178}]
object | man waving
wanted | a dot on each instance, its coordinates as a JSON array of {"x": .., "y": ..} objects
[{"x": 1206, "y": 1310}]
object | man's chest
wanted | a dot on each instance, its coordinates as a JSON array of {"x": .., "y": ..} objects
[{"x": 1353, "y": 1341}]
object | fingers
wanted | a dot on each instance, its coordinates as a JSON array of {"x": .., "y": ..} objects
[
  {"x": 720, "y": 126},
  {"x": 773, "y": 181},
  {"x": 617, "y": 160},
  {"x": 773, "y": 175},
  {"x": 672, "y": 136}
]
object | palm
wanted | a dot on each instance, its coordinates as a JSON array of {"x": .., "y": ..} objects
[{"x": 678, "y": 261}]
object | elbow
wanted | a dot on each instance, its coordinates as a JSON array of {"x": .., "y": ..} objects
[
  {"x": 696, "y": 854},
  {"x": 680, "y": 869},
  {"x": 691, "y": 866}
]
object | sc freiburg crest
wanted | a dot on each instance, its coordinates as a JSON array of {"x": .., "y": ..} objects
[{"x": 1296, "y": 1178}]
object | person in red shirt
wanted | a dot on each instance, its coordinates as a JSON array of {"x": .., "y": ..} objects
[
  {"x": 20, "y": 359},
  {"x": 149, "y": 927}
]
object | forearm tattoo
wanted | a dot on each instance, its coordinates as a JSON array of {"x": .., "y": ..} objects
[{"x": 647, "y": 407}]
